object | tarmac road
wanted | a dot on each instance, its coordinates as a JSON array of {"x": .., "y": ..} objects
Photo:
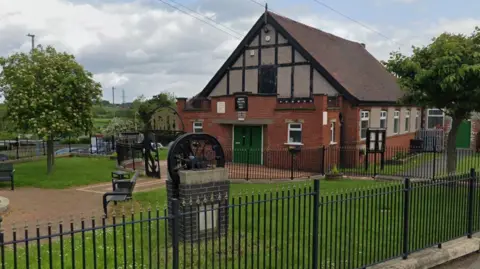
[{"x": 469, "y": 262}]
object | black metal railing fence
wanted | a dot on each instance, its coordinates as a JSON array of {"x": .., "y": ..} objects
[
  {"x": 20, "y": 148},
  {"x": 291, "y": 226}
]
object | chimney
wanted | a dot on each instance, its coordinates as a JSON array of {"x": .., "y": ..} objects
[{"x": 363, "y": 45}]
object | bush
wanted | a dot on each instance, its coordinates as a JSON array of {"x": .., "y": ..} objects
[
  {"x": 400, "y": 155},
  {"x": 6, "y": 135},
  {"x": 75, "y": 140},
  {"x": 84, "y": 140},
  {"x": 70, "y": 140}
]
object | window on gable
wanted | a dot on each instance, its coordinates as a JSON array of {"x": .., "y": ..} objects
[
  {"x": 267, "y": 80},
  {"x": 383, "y": 119},
  {"x": 364, "y": 123},
  {"x": 294, "y": 133},
  {"x": 198, "y": 127},
  {"x": 407, "y": 120},
  {"x": 396, "y": 122}
]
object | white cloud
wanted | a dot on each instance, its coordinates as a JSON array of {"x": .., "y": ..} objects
[{"x": 144, "y": 47}]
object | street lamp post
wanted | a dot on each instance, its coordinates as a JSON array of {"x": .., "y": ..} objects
[{"x": 33, "y": 40}]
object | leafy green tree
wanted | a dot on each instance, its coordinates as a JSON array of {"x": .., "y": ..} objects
[
  {"x": 444, "y": 74},
  {"x": 117, "y": 126},
  {"x": 147, "y": 108},
  {"x": 49, "y": 94}
]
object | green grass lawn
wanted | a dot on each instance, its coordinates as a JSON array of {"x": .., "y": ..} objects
[
  {"x": 69, "y": 172},
  {"x": 162, "y": 154},
  {"x": 100, "y": 123},
  {"x": 390, "y": 169},
  {"x": 360, "y": 222},
  {"x": 466, "y": 163}
]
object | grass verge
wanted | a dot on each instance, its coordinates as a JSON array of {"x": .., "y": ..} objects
[
  {"x": 269, "y": 226},
  {"x": 68, "y": 172}
]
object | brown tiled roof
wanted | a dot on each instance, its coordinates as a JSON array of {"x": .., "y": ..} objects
[{"x": 348, "y": 62}]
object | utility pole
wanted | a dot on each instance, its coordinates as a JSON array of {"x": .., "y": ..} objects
[
  {"x": 123, "y": 98},
  {"x": 33, "y": 40},
  {"x": 113, "y": 95}
]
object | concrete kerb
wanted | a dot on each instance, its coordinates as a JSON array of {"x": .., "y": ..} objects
[{"x": 432, "y": 257}]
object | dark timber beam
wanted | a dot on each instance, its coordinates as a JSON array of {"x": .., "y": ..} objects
[{"x": 276, "y": 65}]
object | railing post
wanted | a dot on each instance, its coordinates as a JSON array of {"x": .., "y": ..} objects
[
  {"x": 406, "y": 207},
  {"x": 133, "y": 157},
  {"x": 471, "y": 188},
  {"x": 69, "y": 143},
  {"x": 323, "y": 160},
  {"x": 434, "y": 159},
  {"x": 291, "y": 165},
  {"x": 18, "y": 146},
  {"x": 175, "y": 232},
  {"x": 248, "y": 161},
  {"x": 316, "y": 201},
  {"x": 2, "y": 244},
  {"x": 113, "y": 143}
]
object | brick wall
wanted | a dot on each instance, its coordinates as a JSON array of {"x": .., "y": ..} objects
[
  {"x": 314, "y": 133},
  {"x": 202, "y": 197},
  {"x": 351, "y": 123}
]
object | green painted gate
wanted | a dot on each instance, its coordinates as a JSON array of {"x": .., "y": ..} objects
[
  {"x": 463, "y": 135},
  {"x": 247, "y": 144}
]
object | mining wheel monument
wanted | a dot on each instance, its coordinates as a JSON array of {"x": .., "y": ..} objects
[{"x": 197, "y": 188}]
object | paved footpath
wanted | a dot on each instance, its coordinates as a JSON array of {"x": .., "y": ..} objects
[{"x": 469, "y": 262}]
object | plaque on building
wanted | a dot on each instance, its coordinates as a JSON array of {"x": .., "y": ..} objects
[{"x": 241, "y": 103}]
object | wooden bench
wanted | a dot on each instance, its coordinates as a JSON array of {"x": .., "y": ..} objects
[
  {"x": 6, "y": 173},
  {"x": 122, "y": 191}
]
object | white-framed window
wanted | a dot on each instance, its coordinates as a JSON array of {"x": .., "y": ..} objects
[
  {"x": 364, "y": 123},
  {"x": 396, "y": 121},
  {"x": 435, "y": 118},
  {"x": 332, "y": 132},
  {"x": 417, "y": 120},
  {"x": 407, "y": 121},
  {"x": 383, "y": 119},
  {"x": 294, "y": 133},
  {"x": 198, "y": 127}
]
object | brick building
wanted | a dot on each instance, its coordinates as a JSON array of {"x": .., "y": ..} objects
[
  {"x": 467, "y": 134},
  {"x": 290, "y": 84}
]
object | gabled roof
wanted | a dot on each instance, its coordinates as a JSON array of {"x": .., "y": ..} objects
[{"x": 347, "y": 65}]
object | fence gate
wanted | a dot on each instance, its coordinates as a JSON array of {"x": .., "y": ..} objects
[
  {"x": 165, "y": 126},
  {"x": 433, "y": 139},
  {"x": 375, "y": 146}
]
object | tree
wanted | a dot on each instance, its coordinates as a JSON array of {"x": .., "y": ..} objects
[
  {"x": 147, "y": 108},
  {"x": 117, "y": 126},
  {"x": 444, "y": 74},
  {"x": 48, "y": 93}
]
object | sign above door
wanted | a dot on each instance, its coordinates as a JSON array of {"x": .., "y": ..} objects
[{"x": 241, "y": 103}]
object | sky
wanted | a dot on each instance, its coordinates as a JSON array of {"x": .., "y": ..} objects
[{"x": 144, "y": 47}]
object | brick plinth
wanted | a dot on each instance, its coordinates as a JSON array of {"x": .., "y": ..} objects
[{"x": 201, "y": 205}]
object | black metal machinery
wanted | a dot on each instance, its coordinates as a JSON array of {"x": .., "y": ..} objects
[
  {"x": 193, "y": 151},
  {"x": 170, "y": 127}
]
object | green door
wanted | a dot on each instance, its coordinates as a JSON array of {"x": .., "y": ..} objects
[
  {"x": 463, "y": 135},
  {"x": 247, "y": 144}
]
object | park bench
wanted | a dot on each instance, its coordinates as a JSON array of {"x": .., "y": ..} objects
[
  {"x": 122, "y": 191},
  {"x": 6, "y": 173}
]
